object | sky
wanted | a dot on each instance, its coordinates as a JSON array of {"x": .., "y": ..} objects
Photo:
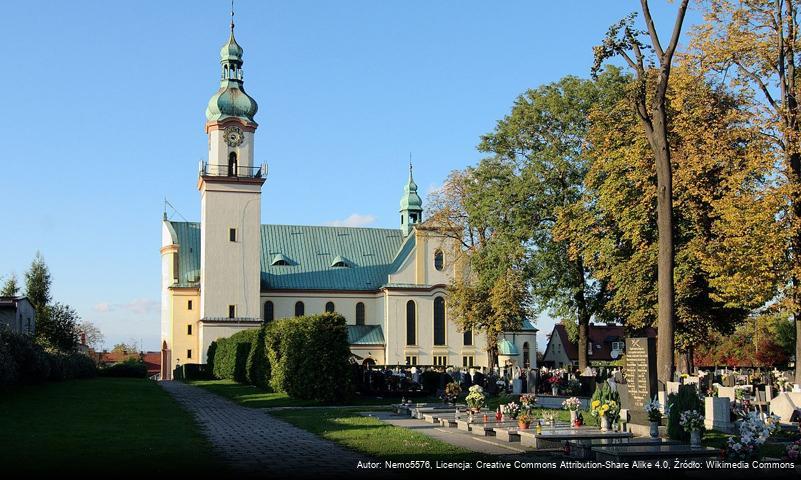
[{"x": 105, "y": 101}]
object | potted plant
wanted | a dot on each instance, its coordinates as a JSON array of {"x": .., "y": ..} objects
[
  {"x": 692, "y": 421},
  {"x": 475, "y": 398},
  {"x": 572, "y": 405},
  {"x": 524, "y": 420},
  {"x": 653, "y": 409}
]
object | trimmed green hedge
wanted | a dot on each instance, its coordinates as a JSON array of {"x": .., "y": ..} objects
[
  {"x": 310, "y": 357},
  {"x": 23, "y": 361},
  {"x": 131, "y": 368},
  {"x": 686, "y": 399},
  {"x": 305, "y": 357},
  {"x": 229, "y": 355}
]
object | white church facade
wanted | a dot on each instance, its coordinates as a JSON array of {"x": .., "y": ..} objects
[{"x": 229, "y": 272}]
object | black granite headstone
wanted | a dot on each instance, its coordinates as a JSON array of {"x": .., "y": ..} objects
[{"x": 640, "y": 378}]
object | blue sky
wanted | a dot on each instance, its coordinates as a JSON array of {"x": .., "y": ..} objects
[{"x": 104, "y": 111}]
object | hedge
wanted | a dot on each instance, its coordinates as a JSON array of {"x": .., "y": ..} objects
[
  {"x": 305, "y": 357},
  {"x": 310, "y": 357},
  {"x": 131, "y": 368},
  {"x": 686, "y": 399},
  {"x": 23, "y": 361},
  {"x": 229, "y": 355}
]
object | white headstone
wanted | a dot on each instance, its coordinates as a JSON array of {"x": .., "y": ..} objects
[
  {"x": 717, "y": 414},
  {"x": 785, "y": 404}
]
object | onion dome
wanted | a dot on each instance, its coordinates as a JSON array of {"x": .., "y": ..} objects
[{"x": 231, "y": 100}]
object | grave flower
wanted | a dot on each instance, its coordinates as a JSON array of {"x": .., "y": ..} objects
[
  {"x": 475, "y": 398},
  {"x": 511, "y": 409},
  {"x": 572, "y": 404},
  {"x": 691, "y": 421},
  {"x": 653, "y": 409}
]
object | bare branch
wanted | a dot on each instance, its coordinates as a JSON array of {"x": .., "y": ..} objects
[
  {"x": 674, "y": 40},
  {"x": 652, "y": 29}
]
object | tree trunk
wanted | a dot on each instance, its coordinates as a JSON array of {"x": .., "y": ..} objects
[
  {"x": 583, "y": 318},
  {"x": 664, "y": 222},
  {"x": 795, "y": 168}
]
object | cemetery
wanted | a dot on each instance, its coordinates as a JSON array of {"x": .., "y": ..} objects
[{"x": 618, "y": 414}]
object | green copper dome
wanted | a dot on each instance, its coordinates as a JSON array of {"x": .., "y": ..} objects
[
  {"x": 231, "y": 100},
  {"x": 507, "y": 348},
  {"x": 410, "y": 199}
]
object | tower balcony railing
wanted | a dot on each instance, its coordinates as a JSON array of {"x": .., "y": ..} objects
[{"x": 232, "y": 170}]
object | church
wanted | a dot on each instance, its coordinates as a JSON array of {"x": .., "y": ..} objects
[{"x": 229, "y": 272}]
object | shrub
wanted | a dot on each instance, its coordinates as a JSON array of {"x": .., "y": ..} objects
[
  {"x": 310, "y": 357},
  {"x": 257, "y": 370},
  {"x": 230, "y": 356},
  {"x": 131, "y": 368},
  {"x": 8, "y": 366},
  {"x": 31, "y": 360},
  {"x": 686, "y": 399},
  {"x": 605, "y": 395}
]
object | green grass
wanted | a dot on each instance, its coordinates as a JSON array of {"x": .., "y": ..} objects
[
  {"x": 372, "y": 436},
  {"x": 716, "y": 439},
  {"x": 250, "y": 396},
  {"x": 101, "y": 425}
]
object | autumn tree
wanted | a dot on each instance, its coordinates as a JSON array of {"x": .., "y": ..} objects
[
  {"x": 94, "y": 337},
  {"x": 725, "y": 207},
  {"x": 625, "y": 41},
  {"x": 751, "y": 44}
]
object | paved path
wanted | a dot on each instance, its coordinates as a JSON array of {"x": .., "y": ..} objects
[{"x": 252, "y": 441}]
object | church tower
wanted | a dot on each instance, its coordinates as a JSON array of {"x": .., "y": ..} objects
[
  {"x": 230, "y": 190},
  {"x": 411, "y": 206}
]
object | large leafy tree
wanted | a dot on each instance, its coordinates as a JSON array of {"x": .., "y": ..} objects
[
  {"x": 726, "y": 206},
  {"x": 58, "y": 327},
  {"x": 625, "y": 41},
  {"x": 752, "y": 46},
  {"x": 542, "y": 144}
]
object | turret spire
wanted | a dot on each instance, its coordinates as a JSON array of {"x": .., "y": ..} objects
[{"x": 411, "y": 206}]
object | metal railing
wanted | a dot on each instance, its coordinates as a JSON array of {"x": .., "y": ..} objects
[{"x": 232, "y": 170}]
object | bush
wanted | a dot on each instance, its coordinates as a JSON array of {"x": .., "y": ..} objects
[
  {"x": 32, "y": 364},
  {"x": 258, "y": 371},
  {"x": 686, "y": 399},
  {"x": 131, "y": 368},
  {"x": 8, "y": 366},
  {"x": 310, "y": 356},
  {"x": 230, "y": 355}
]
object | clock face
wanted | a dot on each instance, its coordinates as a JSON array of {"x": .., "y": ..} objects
[{"x": 233, "y": 136}]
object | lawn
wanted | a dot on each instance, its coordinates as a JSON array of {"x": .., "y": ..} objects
[
  {"x": 371, "y": 436},
  {"x": 250, "y": 396},
  {"x": 99, "y": 426}
]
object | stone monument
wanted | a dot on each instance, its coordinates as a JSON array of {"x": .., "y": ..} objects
[{"x": 640, "y": 378}]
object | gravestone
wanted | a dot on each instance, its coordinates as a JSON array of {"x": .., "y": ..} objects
[
  {"x": 640, "y": 377},
  {"x": 785, "y": 405},
  {"x": 717, "y": 414}
]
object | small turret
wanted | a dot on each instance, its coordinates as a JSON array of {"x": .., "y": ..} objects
[{"x": 411, "y": 206}]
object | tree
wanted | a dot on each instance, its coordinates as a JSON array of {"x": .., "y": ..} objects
[
  {"x": 751, "y": 44},
  {"x": 126, "y": 348},
  {"x": 544, "y": 140},
  {"x": 58, "y": 327},
  {"x": 11, "y": 287},
  {"x": 726, "y": 211},
  {"x": 38, "y": 283},
  {"x": 94, "y": 337},
  {"x": 653, "y": 118}
]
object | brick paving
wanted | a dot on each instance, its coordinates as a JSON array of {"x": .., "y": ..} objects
[{"x": 253, "y": 442}]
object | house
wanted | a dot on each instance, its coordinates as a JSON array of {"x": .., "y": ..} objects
[
  {"x": 18, "y": 315},
  {"x": 607, "y": 343}
]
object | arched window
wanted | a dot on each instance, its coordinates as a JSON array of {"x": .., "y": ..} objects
[
  {"x": 439, "y": 321},
  {"x": 438, "y": 260},
  {"x": 360, "y": 313},
  {"x": 411, "y": 323},
  {"x": 468, "y": 337},
  {"x": 269, "y": 313},
  {"x": 526, "y": 358},
  {"x": 299, "y": 309},
  {"x": 329, "y": 307},
  {"x": 232, "y": 168}
]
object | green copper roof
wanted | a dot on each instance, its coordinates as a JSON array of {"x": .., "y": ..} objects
[
  {"x": 231, "y": 100},
  {"x": 365, "y": 335},
  {"x": 410, "y": 199},
  {"x": 370, "y": 253},
  {"x": 505, "y": 347}
]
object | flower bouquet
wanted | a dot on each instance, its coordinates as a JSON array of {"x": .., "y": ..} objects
[
  {"x": 572, "y": 404},
  {"x": 692, "y": 421},
  {"x": 605, "y": 411},
  {"x": 793, "y": 452},
  {"x": 511, "y": 410},
  {"x": 475, "y": 398},
  {"x": 653, "y": 409},
  {"x": 452, "y": 391},
  {"x": 528, "y": 401},
  {"x": 753, "y": 433}
]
